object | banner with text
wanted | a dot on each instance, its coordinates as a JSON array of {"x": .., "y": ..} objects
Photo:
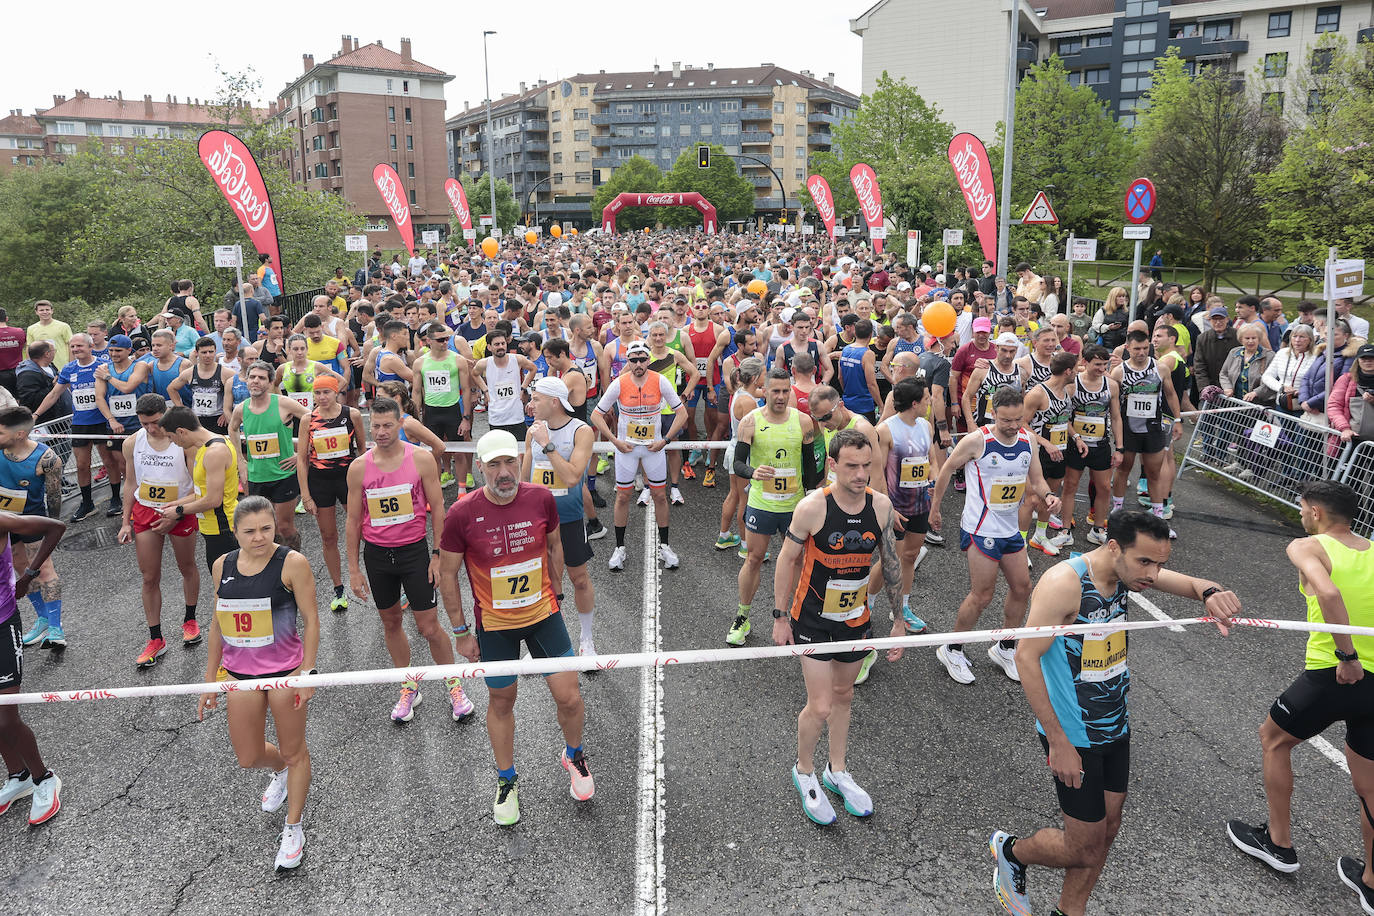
[
  {"x": 969, "y": 159},
  {"x": 819, "y": 189},
  {"x": 459, "y": 202},
  {"x": 394, "y": 196},
  {"x": 239, "y": 179},
  {"x": 870, "y": 202}
]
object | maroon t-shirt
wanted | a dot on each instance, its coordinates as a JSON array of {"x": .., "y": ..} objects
[
  {"x": 965, "y": 359},
  {"x": 11, "y": 347}
]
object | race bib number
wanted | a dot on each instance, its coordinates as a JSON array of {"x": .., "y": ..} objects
[
  {"x": 1006, "y": 491},
  {"x": 590, "y": 373},
  {"x": 1058, "y": 434},
  {"x": 13, "y": 500},
  {"x": 84, "y": 398},
  {"x": 122, "y": 405},
  {"x": 1141, "y": 406},
  {"x": 390, "y": 505},
  {"x": 264, "y": 446},
  {"x": 1090, "y": 429},
  {"x": 845, "y": 599},
  {"x": 157, "y": 492},
  {"x": 504, "y": 392},
  {"x": 331, "y": 445},
  {"x": 1104, "y": 656},
  {"x": 206, "y": 402},
  {"x": 640, "y": 431},
  {"x": 914, "y": 473},
  {"x": 546, "y": 476},
  {"x": 439, "y": 382},
  {"x": 245, "y": 623},
  {"x": 305, "y": 398},
  {"x": 701, "y": 366},
  {"x": 517, "y": 585},
  {"x": 782, "y": 485}
]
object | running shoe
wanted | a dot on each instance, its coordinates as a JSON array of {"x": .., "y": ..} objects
[
  {"x": 739, "y": 631},
  {"x": 730, "y": 540},
  {"x": 595, "y": 530},
  {"x": 597, "y": 499},
  {"x": 83, "y": 512},
  {"x": 1255, "y": 841},
  {"x": 101, "y": 473},
  {"x": 190, "y": 633},
  {"x": 920, "y": 556},
  {"x": 956, "y": 663},
  {"x": 864, "y": 669},
  {"x": 914, "y": 624},
  {"x": 470, "y": 483},
  {"x": 480, "y": 408},
  {"x": 1351, "y": 873},
  {"x": 1245, "y": 474},
  {"x": 155, "y": 649},
  {"x": 814, "y": 802},
  {"x": 1097, "y": 536},
  {"x": 668, "y": 556},
  {"x": 643, "y": 497},
  {"x": 1008, "y": 880},
  {"x": 37, "y": 632},
  {"x": 617, "y": 560},
  {"x": 694, "y": 456},
  {"x": 856, "y": 801},
  {"x": 1063, "y": 539},
  {"x": 115, "y": 508},
  {"x": 1041, "y": 542},
  {"x": 13, "y": 790},
  {"x": 1092, "y": 522},
  {"x": 274, "y": 796},
  {"x": 959, "y": 485},
  {"x": 586, "y": 648},
  {"x": 935, "y": 539},
  {"x": 743, "y": 553},
  {"x": 458, "y": 701},
  {"x": 55, "y": 638},
  {"x": 1231, "y": 468},
  {"x": 582, "y": 787},
  {"x": 47, "y": 799},
  {"x": 292, "y": 847},
  {"x": 688, "y": 473},
  {"x": 506, "y": 810},
  {"x": 708, "y": 478},
  {"x": 604, "y": 464},
  {"x": 300, "y": 507},
  {"x": 1056, "y": 523},
  {"x": 404, "y": 710},
  {"x": 1168, "y": 508},
  {"x": 339, "y": 603},
  {"x": 447, "y": 479},
  {"x": 1006, "y": 660},
  {"x": 675, "y": 495}
]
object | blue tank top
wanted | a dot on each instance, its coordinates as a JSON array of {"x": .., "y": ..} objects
[
  {"x": 857, "y": 397},
  {"x": 900, "y": 346},
  {"x": 377, "y": 367},
  {"x": 161, "y": 378},
  {"x": 1086, "y": 675},
  {"x": 118, "y": 400},
  {"x": 21, "y": 486}
]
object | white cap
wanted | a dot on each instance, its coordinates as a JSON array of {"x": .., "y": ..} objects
[
  {"x": 903, "y": 286},
  {"x": 497, "y": 444},
  {"x": 554, "y": 388},
  {"x": 786, "y": 315},
  {"x": 553, "y": 300},
  {"x": 1006, "y": 339}
]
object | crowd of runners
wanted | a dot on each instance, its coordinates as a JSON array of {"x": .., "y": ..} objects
[{"x": 830, "y": 399}]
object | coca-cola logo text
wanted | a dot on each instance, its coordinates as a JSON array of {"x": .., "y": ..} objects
[
  {"x": 387, "y": 185},
  {"x": 821, "y": 197},
  {"x": 460, "y": 206},
  {"x": 231, "y": 174},
  {"x": 866, "y": 189},
  {"x": 661, "y": 199},
  {"x": 980, "y": 200}
]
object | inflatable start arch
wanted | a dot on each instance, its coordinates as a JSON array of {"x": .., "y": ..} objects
[{"x": 687, "y": 199}]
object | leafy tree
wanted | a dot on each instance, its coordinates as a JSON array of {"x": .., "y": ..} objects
[
  {"x": 635, "y": 175},
  {"x": 729, "y": 192},
  {"x": 833, "y": 169}
]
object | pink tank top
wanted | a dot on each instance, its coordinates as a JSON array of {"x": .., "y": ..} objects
[{"x": 394, "y": 508}]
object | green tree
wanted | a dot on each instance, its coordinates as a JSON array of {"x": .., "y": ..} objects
[
  {"x": 634, "y": 175},
  {"x": 728, "y": 191},
  {"x": 479, "y": 202},
  {"x": 1202, "y": 141}
]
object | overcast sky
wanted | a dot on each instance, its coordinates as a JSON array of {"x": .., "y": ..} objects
[{"x": 162, "y": 48}]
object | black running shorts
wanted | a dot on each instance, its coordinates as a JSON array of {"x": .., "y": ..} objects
[
  {"x": 1106, "y": 768},
  {"x": 1314, "y": 702}
]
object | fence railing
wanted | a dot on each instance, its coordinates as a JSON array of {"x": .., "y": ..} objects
[
  {"x": 295, "y": 305},
  {"x": 1295, "y": 282},
  {"x": 1359, "y": 474}
]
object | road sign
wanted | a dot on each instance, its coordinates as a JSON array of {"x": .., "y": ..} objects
[
  {"x": 954, "y": 238},
  {"x": 496, "y": 232},
  {"x": 1140, "y": 202},
  {"x": 484, "y": 220},
  {"x": 355, "y": 243},
  {"x": 877, "y": 232},
  {"x": 1344, "y": 278},
  {"x": 1083, "y": 250},
  {"x": 429, "y": 237},
  {"x": 1040, "y": 213},
  {"x": 1265, "y": 433},
  {"x": 228, "y": 256},
  {"x": 470, "y": 234},
  {"x": 1139, "y": 233},
  {"x": 913, "y": 247},
  {"x": 379, "y": 226}
]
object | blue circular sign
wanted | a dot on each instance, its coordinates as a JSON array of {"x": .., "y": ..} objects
[{"x": 1140, "y": 201}]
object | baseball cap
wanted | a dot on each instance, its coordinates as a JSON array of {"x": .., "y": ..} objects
[
  {"x": 1218, "y": 311},
  {"x": 554, "y": 388},
  {"x": 638, "y": 348},
  {"x": 903, "y": 286},
  {"x": 497, "y": 444},
  {"x": 786, "y": 315},
  {"x": 1365, "y": 352},
  {"x": 982, "y": 324},
  {"x": 1007, "y": 339},
  {"x": 122, "y": 341},
  {"x": 553, "y": 300}
]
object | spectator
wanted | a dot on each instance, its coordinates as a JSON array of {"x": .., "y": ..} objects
[
  {"x": 1109, "y": 324},
  {"x": 12, "y": 343},
  {"x": 1359, "y": 327},
  {"x": 1079, "y": 319},
  {"x": 1344, "y": 347},
  {"x": 186, "y": 336},
  {"x": 1172, "y": 315},
  {"x": 1055, "y": 298},
  {"x": 126, "y": 321},
  {"x": 261, "y": 294},
  {"x": 185, "y": 304},
  {"x": 1247, "y": 312},
  {"x": 1242, "y": 375},
  {"x": 268, "y": 276},
  {"x": 1195, "y": 309},
  {"x": 1357, "y": 383},
  {"x": 1029, "y": 284},
  {"x": 254, "y": 310},
  {"x": 1271, "y": 318},
  {"x": 1157, "y": 265},
  {"x": 35, "y": 378},
  {"x": 1285, "y": 372},
  {"x": 1143, "y": 283},
  {"x": 988, "y": 282},
  {"x": 48, "y": 328},
  {"x": 1213, "y": 346}
]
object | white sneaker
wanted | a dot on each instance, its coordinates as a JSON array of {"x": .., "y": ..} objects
[
  {"x": 643, "y": 497},
  {"x": 13, "y": 790},
  {"x": 275, "y": 793},
  {"x": 668, "y": 556},
  {"x": 1006, "y": 660},
  {"x": 617, "y": 560},
  {"x": 586, "y": 648},
  {"x": 921, "y": 556},
  {"x": 1041, "y": 542},
  {"x": 1097, "y": 536},
  {"x": 292, "y": 847},
  {"x": 1063, "y": 539},
  {"x": 856, "y": 801},
  {"x": 1056, "y": 522},
  {"x": 814, "y": 802},
  {"x": 956, "y": 663},
  {"x": 675, "y": 497},
  {"x": 46, "y": 801}
]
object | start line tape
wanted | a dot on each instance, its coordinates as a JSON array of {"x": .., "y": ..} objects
[{"x": 643, "y": 660}]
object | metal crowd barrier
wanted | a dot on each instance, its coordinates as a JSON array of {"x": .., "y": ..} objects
[{"x": 1359, "y": 474}]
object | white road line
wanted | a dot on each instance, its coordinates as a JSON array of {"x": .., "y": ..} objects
[
  {"x": 1154, "y": 610},
  {"x": 650, "y": 890}
]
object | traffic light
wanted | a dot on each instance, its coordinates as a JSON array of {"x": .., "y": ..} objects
[{"x": 703, "y": 157}]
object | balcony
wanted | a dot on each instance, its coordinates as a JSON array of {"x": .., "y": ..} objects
[
  {"x": 755, "y": 136},
  {"x": 599, "y": 162},
  {"x": 1197, "y": 46},
  {"x": 600, "y": 141},
  {"x": 633, "y": 141},
  {"x": 334, "y": 181},
  {"x": 823, "y": 117},
  {"x": 760, "y": 181},
  {"x": 819, "y": 139},
  {"x": 608, "y": 118},
  {"x": 537, "y": 166},
  {"x": 539, "y": 126},
  {"x": 763, "y": 161},
  {"x": 775, "y": 203},
  {"x": 1026, "y": 52},
  {"x": 335, "y": 154},
  {"x": 756, "y": 114},
  {"x": 536, "y": 146}
]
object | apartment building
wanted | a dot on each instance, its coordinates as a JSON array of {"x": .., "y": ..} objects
[
  {"x": 365, "y": 105},
  {"x": 21, "y": 141},
  {"x": 557, "y": 141},
  {"x": 1107, "y": 44}
]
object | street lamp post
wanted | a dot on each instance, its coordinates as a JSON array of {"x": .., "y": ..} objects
[
  {"x": 530, "y": 197},
  {"x": 1009, "y": 120},
  {"x": 781, "y": 190},
  {"x": 491, "y": 138}
]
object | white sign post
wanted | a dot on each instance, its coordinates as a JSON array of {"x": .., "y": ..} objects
[
  {"x": 357, "y": 243},
  {"x": 1078, "y": 250},
  {"x": 430, "y": 237},
  {"x": 470, "y": 235},
  {"x": 952, "y": 238},
  {"x": 913, "y": 248},
  {"x": 1344, "y": 280},
  {"x": 232, "y": 256}
]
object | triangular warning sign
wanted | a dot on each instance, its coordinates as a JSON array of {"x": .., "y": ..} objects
[{"x": 1040, "y": 213}]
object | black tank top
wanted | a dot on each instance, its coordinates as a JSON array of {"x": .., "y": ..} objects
[
  {"x": 833, "y": 587},
  {"x": 207, "y": 394}
]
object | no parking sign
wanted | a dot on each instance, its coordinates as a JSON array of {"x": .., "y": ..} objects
[{"x": 1140, "y": 201}]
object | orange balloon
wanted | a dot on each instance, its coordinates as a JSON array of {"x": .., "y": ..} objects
[
  {"x": 556, "y": 231},
  {"x": 646, "y": 230},
  {"x": 573, "y": 230},
  {"x": 757, "y": 287},
  {"x": 530, "y": 237},
  {"x": 938, "y": 318},
  {"x": 490, "y": 246}
]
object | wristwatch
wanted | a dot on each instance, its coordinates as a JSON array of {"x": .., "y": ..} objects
[
  {"x": 1209, "y": 592},
  {"x": 311, "y": 671},
  {"x": 779, "y": 614},
  {"x": 181, "y": 510},
  {"x": 549, "y": 447},
  {"x": 1347, "y": 656}
]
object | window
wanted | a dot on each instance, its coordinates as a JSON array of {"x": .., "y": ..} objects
[
  {"x": 410, "y": 141},
  {"x": 801, "y": 130},
  {"x": 582, "y": 90},
  {"x": 393, "y": 141},
  {"x": 1321, "y": 60},
  {"x": 1314, "y": 101},
  {"x": 388, "y": 85},
  {"x": 644, "y": 130},
  {"x": 317, "y": 143},
  {"x": 666, "y": 130},
  {"x": 580, "y": 114},
  {"x": 558, "y": 136},
  {"x": 395, "y": 167},
  {"x": 706, "y": 130},
  {"x": 333, "y": 111},
  {"x": 556, "y": 116},
  {"x": 334, "y": 140},
  {"x": 67, "y": 148},
  {"x": 684, "y": 130},
  {"x": 410, "y": 170},
  {"x": 1137, "y": 83},
  {"x": 624, "y": 108},
  {"x": 114, "y": 130},
  {"x": 405, "y": 85},
  {"x": 557, "y": 158},
  {"x": 801, "y": 108},
  {"x": 1276, "y": 64},
  {"x": 684, "y": 107},
  {"x": 1272, "y": 102},
  {"x": 779, "y": 151},
  {"x": 93, "y": 130},
  {"x": 1142, "y": 7},
  {"x": 665, "y": 153},
  {"x": 338, "y": 169},
  {"x": 705, "y": 106},
  {"x": 1280, "y": 25},
  {"x": 1069, "y": 46},
  {"x": 624, "y": 152},
  {"x": 412, "y": 197},
  {"x": 1328, "y": 19},
  {"x": 582, "y": 155},
  {"x": 140, "y": 131},
  {"x": 1217, "y": 31},
  {"x": 730, "y": 105},
  {"x": 391, "y": 113},
  {"x": 1126, "y": 120},
  {"x": 582, "y": 136},
  {"x": 799, "y": 174},
  {"x": 407, "y": 114},
  {"x": 1095, "y": 77},
  {"x": 118, "y": 150},
  {"x": 799, "y": 152},
  {"x": 777, "y": 108},
  {"x": 321, "y": 170},
  {"x": 1138, "y": 29},
  {"x": 729, "y": 130},
  {"x": 66, "y": 127},
  {"x": 1138, "y": 46},
  {"x": 584, "y": 177}
]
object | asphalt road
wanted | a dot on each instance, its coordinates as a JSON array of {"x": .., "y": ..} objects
[{"x": 157, "y": 817}]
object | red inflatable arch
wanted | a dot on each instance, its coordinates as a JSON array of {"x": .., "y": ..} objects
[{"x": 688, "y": 199}]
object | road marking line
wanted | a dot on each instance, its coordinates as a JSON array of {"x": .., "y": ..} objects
[
  {"x": 1154, "y": 611},
  {"x": 650, "y": 890}
]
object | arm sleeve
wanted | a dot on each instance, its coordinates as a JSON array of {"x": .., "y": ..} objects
[
  {"x": 813, "y": 471},
  {"x": 741, "y": 465}
]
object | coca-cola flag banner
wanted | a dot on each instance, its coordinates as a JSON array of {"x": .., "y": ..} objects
[
  {"x": 394, "y": 195},
  {"x": 969, "y": 159},
  {"x": 239, "y": 179},
  {"x": 459, "y": 202},
  {"x": 870, "y": 202},
  {"x": 819, "y": 189}
]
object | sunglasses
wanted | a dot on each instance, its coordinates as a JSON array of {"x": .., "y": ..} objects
[
  {"x": 823, "y": 419},
  {"x": 639, "y": 359}
]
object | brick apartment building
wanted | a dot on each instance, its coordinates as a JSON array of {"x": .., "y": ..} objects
[{"x": 366, "y": 105}]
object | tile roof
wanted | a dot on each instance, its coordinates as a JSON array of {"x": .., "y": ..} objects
[
  {"x": 89, "y": 107},
  {"x": 376, "y": 57},
  {"x": 23, "y": 124}
]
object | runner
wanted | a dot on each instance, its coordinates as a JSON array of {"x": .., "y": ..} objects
[
  {"x": 1143, "y": 387},
  {"x": 158, "y": 475},
  {"x": 295, "y": 378},
  {"x": 747, "y": 382},
  {"x": 118, "y": 385},
  {"x": 1076, "y": 685},
  {"x": 1035, "y": 365},
  {"x": 260, "y": 589},
  {"x": 261, "y": 428},
  {"x": 668, "y": 358},
  {"x": 703, "y": 334},
  {"x": 31, "y": 484},
  {"x": 334, "y": 439},
  {"x": 558, "y": 357},
  {"x": 775, "y": 449},
  {"x": 502, "y": 535},
  {"x": 441, "y": 378},
  {"x": 215, "y": 478},
  {"x": 393, "y": 493},
  {"x": 1336, "y": 578},
  {"x": 28, "y": 775},
  {"x": 1004, "y": 465},
  {"x": 557, "y": 460},
  {"x": 1096, "y": 440},
  {"x": 1049, "y": 405},
  {"x": 638, "y": 397},
  {"x": 163, "y": 361},
  {"x": 211, "y": 388},
  {"x": 1003, "y": 372},
  {"x": 833, "y": 538},
  {"x": 87, "y": 420},
  {"x": 858, "y": 375},
  {"x": 501, "y": 376}
]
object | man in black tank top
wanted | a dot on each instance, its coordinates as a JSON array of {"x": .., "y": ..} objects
[{"x": 206, "y": 387}]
